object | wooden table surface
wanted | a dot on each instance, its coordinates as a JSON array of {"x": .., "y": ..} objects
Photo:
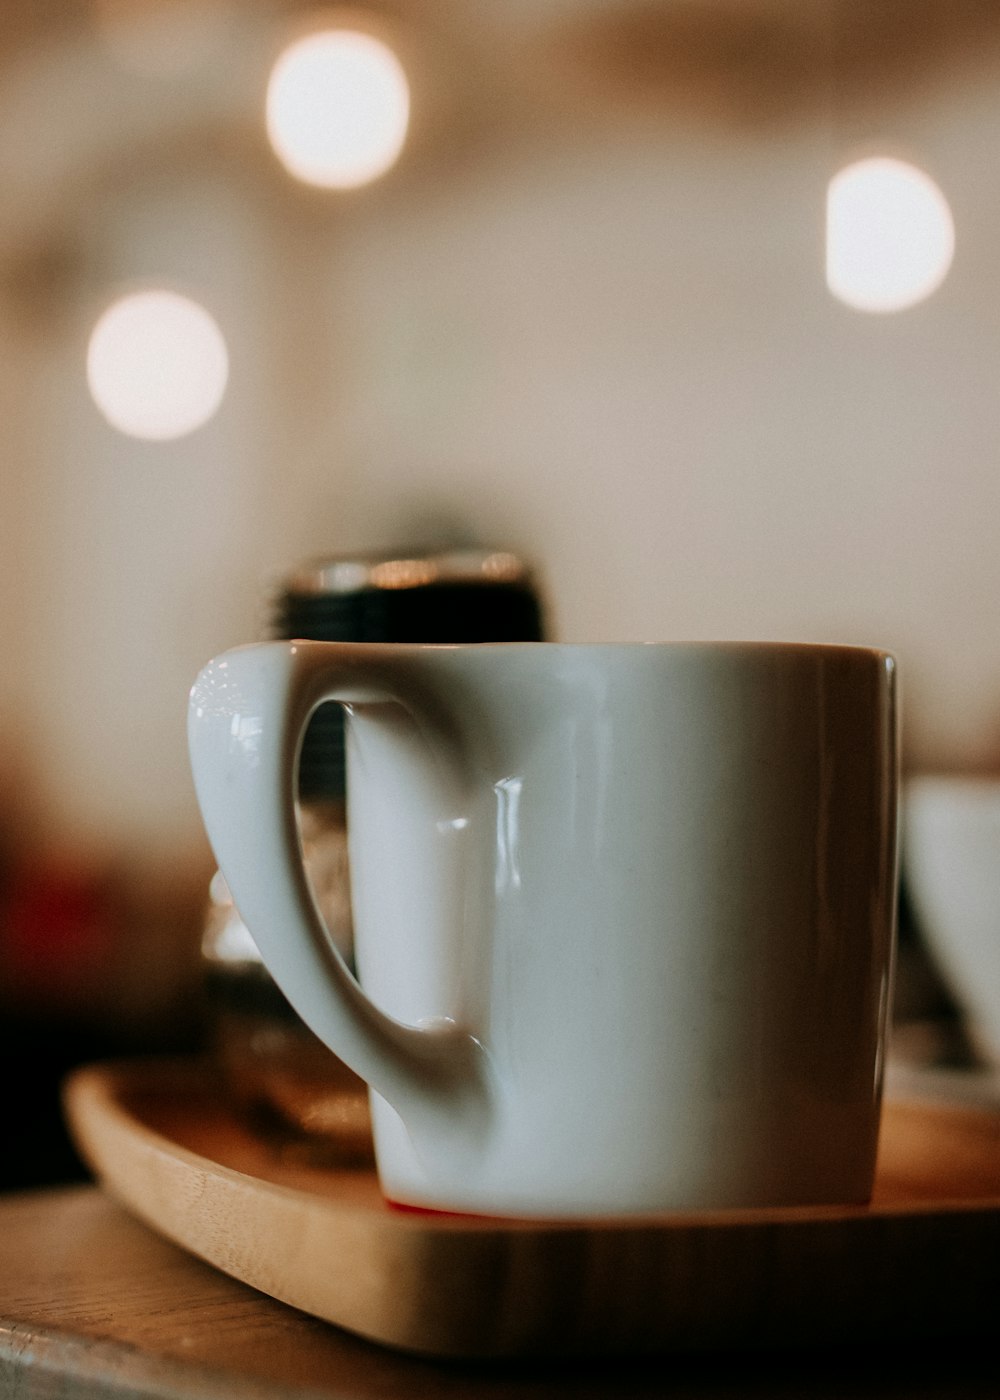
[{"x": 94, "y": 1304}]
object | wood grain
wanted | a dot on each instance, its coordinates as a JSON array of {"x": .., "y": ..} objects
[
  {"x": 920, "y": 1261},
  {"x": 95, "y": 1306}
]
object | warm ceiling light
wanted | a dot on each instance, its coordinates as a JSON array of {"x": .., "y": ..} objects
[
  {"x": 157, "y": 365},
  {"x": 338, "y": 107},
  {"x": 890, "y": 237}
]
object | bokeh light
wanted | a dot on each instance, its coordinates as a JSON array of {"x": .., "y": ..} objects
[
  {"x": 338, "y": 108},
  {"x": 890, "y": 236},
  {"x": 157, "y": 365}
]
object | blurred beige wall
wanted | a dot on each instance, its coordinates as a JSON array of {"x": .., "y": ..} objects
[{"x": 589, "y": 327}]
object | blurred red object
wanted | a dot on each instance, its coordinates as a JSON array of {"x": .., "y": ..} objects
[{"x": 57, "y": 934}]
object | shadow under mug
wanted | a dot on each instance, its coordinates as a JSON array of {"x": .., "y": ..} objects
[{"x": 623, "y": 914}]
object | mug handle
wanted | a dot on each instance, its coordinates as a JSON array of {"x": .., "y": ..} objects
[{"x": 247, "y": 714}]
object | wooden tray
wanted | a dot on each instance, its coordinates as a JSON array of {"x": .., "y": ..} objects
[{"x": 921, "y": 1261}]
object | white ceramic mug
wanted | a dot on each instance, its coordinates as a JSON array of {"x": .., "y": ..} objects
[
  {"x": 623, "y": 914},
  {"x": 951, "y": 866}
]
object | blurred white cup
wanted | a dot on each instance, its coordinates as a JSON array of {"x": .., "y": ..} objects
[{"x": 951, "y": 864}]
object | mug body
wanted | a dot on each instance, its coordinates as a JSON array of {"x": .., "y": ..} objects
[{"x": 657, "y": 884}]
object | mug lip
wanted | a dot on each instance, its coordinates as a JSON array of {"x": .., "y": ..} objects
[{"x": 722, "y": 646}]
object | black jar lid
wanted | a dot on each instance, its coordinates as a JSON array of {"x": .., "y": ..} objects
[{"x": 465, "y": 596}]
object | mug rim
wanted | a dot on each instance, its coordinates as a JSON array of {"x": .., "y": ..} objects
[{"x": 721, "y": 645}]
